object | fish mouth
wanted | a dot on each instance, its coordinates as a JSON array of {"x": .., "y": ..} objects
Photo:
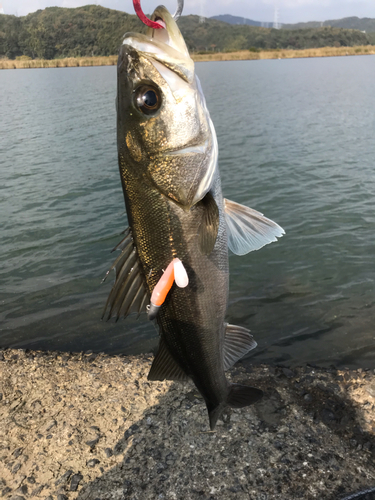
[
  {"x": 163, "y": 47},
  {"x": 195, "y": 149},
  {"x": 170, "y": 35},
  {"x": 161, "y": 22}
]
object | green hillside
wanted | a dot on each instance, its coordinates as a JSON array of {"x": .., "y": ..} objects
[
  {"x": 59, "y": 32},
  {"x": 225, "y": 37},
  {"x": 351, "y": 23},
  {"x": 96, "y": 31},
  {"x": 355, "y": 23},
  {"x": 228, "y": 18}
]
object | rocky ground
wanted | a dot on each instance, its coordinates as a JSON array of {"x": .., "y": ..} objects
[{"x": 91, "y": 427}]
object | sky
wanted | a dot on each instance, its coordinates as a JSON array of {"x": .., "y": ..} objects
[{"x": 289, "y": 11}]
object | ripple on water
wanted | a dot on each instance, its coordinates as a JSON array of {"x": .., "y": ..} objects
[{"x": 296, "y": 143}]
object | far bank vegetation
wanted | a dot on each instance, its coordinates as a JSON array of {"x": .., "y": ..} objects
[
  {"x": 88, "y": 33},
  {"x": 24, "y": 62}
]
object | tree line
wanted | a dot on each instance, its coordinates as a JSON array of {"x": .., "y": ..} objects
[{"x": 97, "y": 31}]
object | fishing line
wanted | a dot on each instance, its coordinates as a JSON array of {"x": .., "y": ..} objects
[
  {"x": 362, "y": 495},
  {"x": 180, "y": 8},
  {"x": 152, "y": 24}
]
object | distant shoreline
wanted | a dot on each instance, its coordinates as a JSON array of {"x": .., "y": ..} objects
[
  {"x": 243, "y": 55},
  {"x": 247, "y": 55}
]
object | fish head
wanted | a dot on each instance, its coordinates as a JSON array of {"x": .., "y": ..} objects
[{"x": 165, "y": 133}]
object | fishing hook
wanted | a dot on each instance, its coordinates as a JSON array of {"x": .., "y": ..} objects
[
  {"x": 180, "y": 8},
  {"x": 152, "y": 24}
]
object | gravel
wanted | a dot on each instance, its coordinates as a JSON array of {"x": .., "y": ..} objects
[{"x": 92, "y": 427}]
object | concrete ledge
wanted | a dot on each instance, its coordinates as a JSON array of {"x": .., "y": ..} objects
[{"x": 87, "y": 426}]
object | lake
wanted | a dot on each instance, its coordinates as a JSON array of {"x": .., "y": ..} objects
[{"x": 296, "y": 141}]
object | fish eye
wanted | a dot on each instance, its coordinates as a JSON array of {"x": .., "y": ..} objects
[{"x": 148, "y": 99}]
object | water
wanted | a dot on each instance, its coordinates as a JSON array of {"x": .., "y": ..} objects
[{"x": 296, "y": 142}]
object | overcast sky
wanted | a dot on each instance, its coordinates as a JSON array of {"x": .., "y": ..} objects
[{"x": 290, "y": 11}]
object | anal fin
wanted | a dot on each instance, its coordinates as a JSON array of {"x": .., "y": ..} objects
[
  {"x": 164, "y": 367},
  {"x": 238, "y": 341},
  {"x": 248, "y": 230}
]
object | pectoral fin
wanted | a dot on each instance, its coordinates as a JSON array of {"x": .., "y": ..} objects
[
  {"x": 237, "y": 342},
  {"x": 209, "y": 226},
  {"x": 128, "y": 294},
  {"x": 248, "y": 230},
  {"x": 164, "y": 367}
]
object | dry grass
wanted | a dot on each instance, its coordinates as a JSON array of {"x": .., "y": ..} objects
[
  {"x": 220, "y": 56},
  {"x": 71, "y": 62},
  {"x": 286, "y": 54}
]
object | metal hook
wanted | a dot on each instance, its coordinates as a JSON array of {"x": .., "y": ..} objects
[
  {"x": 152, "y": 24},
  {"x": 180, "y": 8}
]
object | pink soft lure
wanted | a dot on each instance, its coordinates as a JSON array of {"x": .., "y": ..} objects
[
  {"x": 175, "y": 272},
  {"x": 142, "y": 16}
]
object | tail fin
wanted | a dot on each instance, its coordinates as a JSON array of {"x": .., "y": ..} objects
[
  {"x": 238, "y": 397},
  {"x": 215, "y": 414},
  {"x": 243, "y": 395}
]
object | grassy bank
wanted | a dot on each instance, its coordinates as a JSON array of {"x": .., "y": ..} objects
[
  {"x": 71, "y": 62},
  {"x": 242, "y": 55},
  {"x": 286, "y": 54}
]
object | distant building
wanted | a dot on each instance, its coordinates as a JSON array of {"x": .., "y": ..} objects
[
  {"x": 1, "y": 9},
  {"x": 276, "y": 23}
]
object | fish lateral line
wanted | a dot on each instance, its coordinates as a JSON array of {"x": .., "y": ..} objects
[{"x": 175, "y": 273}]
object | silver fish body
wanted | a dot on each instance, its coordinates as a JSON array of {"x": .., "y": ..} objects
[{"x": 168, "y": 159}]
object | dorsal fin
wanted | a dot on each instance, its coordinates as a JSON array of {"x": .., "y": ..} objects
[
  {"x": 238, "y": 341},
  {"x": 248, "y": 230},
  {"x": 128, "y": 294},
  {"x": 164, "y": 367}
]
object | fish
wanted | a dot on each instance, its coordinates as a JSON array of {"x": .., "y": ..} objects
[{"x": 168, "y": 162}]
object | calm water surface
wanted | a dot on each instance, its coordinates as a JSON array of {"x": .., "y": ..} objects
[{"x": 296, "y": 142}]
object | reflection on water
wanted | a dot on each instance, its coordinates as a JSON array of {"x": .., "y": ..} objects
[{"x": 296, "y": 143}]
